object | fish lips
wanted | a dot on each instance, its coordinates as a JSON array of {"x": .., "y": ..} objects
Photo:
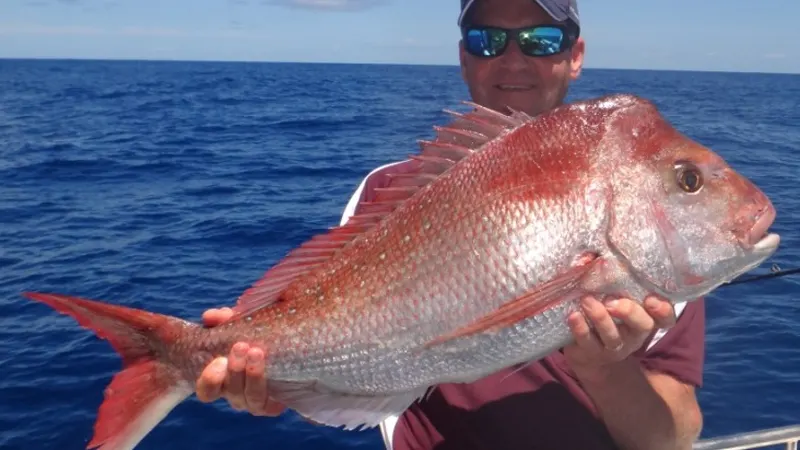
[{"x": 759, "y": 239}]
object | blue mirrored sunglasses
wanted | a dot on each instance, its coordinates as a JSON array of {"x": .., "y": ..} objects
[{"x": 537, "y": 40}]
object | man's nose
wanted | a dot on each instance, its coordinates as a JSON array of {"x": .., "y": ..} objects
[{"x": 513, "y": 58}]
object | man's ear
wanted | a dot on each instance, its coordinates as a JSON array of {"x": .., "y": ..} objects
[{"x": 576, "y": 62}]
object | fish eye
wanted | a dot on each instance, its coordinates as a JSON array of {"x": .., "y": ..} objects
[{"x": 689, "y": 177}]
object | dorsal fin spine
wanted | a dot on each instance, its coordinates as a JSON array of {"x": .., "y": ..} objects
[{"x": 465, "y": 135}]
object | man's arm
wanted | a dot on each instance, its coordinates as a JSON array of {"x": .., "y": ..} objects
[
  {"x": 645, "y": 410},
  {"x": 642, "y": 409}
]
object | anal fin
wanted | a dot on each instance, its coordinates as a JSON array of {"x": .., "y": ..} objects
[
  {"x": 338, "y": 409},
  {"x": 541, "y": 298}
]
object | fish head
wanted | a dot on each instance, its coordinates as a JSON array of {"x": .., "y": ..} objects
[{"x": 686, "y": 222}]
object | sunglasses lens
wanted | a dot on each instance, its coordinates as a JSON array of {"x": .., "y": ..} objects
[
  {"x": 541, "y": 41},
  {"x": 485, "y": 41}
]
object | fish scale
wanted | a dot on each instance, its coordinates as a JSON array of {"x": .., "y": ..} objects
[
  {"x": 468, "y": 264},
  {"x": 482, "y": 290}
]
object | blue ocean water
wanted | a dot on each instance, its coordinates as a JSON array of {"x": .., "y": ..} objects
[{"x": 172, "y": 186}]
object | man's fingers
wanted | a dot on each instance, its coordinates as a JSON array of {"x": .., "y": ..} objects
[
  {"x": 634, "y": 317},
  {"x": 274, "y": 408},
  {"x": 662, "y": 312},
  {"x": 582, "y": 332},
  {"x": 255, "y": 386},
  {"x": 607, "y": 331},
  {"x": 209, "y": 385},
  {"x": 234, "y": 387},
  {"x": 216, "y": 316}
]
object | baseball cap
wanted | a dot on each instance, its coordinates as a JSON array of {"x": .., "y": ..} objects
[{"x": 559, "y": 10}]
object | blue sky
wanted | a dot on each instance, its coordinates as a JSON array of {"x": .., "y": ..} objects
[{"x": 728, "y": 35}]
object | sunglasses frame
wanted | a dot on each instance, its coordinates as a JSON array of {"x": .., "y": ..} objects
[{"x": 569, "y": 30}]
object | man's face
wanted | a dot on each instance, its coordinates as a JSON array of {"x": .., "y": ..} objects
[{"x": 530, "y": 84}]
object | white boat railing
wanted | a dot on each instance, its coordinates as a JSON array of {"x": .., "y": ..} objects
[{"x": 788, "y": 437}]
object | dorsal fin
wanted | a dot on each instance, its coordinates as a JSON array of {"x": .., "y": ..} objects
[{"x": 460, "y": 138}]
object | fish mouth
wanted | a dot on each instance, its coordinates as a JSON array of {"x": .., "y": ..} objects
[
  {"x": 768, "y": 243},
  {"x": 759, "y": 238}
]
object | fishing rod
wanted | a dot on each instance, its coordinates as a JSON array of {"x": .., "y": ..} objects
[{"x": 775, "y": 272}]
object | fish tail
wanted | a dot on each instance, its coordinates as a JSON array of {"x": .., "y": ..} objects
[{"x": 148, "y": 387}]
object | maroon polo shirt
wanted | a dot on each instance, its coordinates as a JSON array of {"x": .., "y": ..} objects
[{"x": 537, "y": 406}]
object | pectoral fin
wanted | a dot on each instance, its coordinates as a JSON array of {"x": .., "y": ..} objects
[{"x": 529, "y": 304}]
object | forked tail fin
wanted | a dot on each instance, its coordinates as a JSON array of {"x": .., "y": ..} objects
[{"x": 147, "y": 388}]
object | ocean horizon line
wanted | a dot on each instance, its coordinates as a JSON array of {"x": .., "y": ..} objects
[{"x": 365, "y": 63}]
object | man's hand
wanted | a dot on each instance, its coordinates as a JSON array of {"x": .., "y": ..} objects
[
  {"x": 641, "y": 409},
  {"x": 600, "y": 342},
  {"x": 240, "y": 378}
]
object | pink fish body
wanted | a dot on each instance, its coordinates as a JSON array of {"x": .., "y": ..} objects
[{"x": 467, "y": 266}]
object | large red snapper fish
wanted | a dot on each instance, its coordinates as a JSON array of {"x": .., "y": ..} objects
[{"x": 467, "y": 265}]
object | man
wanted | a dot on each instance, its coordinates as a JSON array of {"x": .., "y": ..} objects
[{"x": 626, "y": 386}]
